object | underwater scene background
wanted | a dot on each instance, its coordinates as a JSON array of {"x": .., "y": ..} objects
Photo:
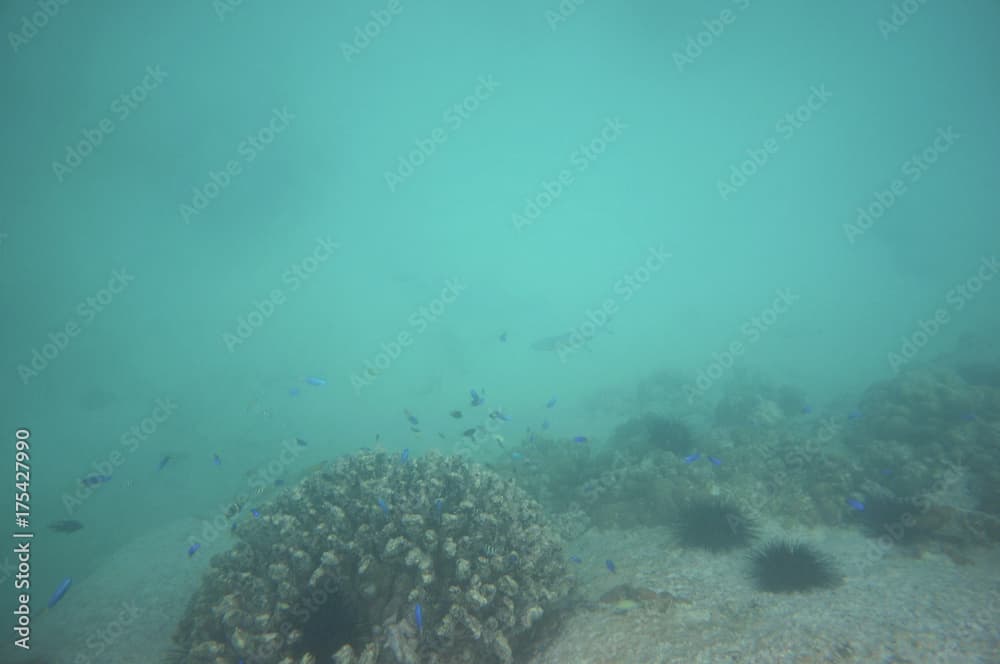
[{"x": 537, "y": 332}]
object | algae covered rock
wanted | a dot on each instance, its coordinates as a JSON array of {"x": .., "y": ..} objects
[{"x": 335, "y": 569}]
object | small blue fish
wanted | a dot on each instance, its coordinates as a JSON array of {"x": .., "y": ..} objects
[
  {"x": 807, "y": 410},
  {"x": 691, "y": 458},
  {"x": 301, "y": 442},
  {"x": 516, "y": 456},
  {"x": 256, "y": 513},
  {"x": 886, "y": 471},
  {"x": 405, "y": 456},
  {"x": 279, "y": 482},
  {"x": 294, "y": 391},
  {"x": 382, "y": 506},
  {"x": 60, "y": 591},
  {"x": 854, "y": 415},
  {"x": 579, "y": 439},
  {"x": 856, "y": 504},
  {"x": 438, "y": 507},
  {"x": 575, "y": 559},
  {"x": 715, "y": 461},
  {"x": 503, "y": 416},
  {"x": 216, "y": 460},
  {"x": 611, "y": 566},
  {"x": 411, "y": 418},
  {"x": 545, "y": 424},
  {"x": 93, "y": 480},
  {"x": 317, "y": 382},
  {"x": 418, "y": 616},
  {"x": 969, "y": 417},
  {"x": 476, "y": 399},
  {"x": 163, "y": 462},
  {"x": 193, "y": 549},
  {"x": 551, "y": 403}
]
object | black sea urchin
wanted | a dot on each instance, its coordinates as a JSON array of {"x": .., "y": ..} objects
[
  {"x": 714, "y": 524},
  {"x": 785, "y": 566}
]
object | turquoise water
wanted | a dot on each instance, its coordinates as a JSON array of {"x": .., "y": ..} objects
[{"x": 227, "y": 226}]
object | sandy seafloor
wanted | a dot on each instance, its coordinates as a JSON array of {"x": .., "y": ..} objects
[{"x": 897, "y": 609}]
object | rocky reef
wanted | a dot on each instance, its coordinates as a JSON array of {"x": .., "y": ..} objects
[{"x": 378, "y": 560}]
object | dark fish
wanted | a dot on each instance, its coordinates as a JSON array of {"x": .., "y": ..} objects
[
  {"x": 476, "y": 399},
  {"x": 293, "y": 391},
  {"x": 579, "y": 439},
  {"x": 715, "y": 461},
  {"x": 216, "y": 460},
  {"x": 279, "y": 482},
  {"x": 469, "y": 433},
  {"x": 418, "y": 616},
  {"x": 575, "y": 559},
  {"x": 405, "y": 456},
  {"x": 550, "y": 403},
  {"x": 503, "y": 337},
  {"x": 457, "y": 414},
  {"x": 545, "y": 424},
  {"x": 66, "y": 526},
  {"x": 691, "y": 458},
  {"x": 856, "y": 504},
  {"x": 301, "y": 442},
  {"x": 611, "y": 566},
  {"x": 438, "y": 507},
  {"x": 411, "y": 418},
  {"x": 93, "y": 480},
  {"x": 163, "y": 462},
  {"x": 415, "y": 429},
  {"x": 60, "y": 591},
  {"x": 313, "y": 380},
  {"x": 193, "y": 549}
]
